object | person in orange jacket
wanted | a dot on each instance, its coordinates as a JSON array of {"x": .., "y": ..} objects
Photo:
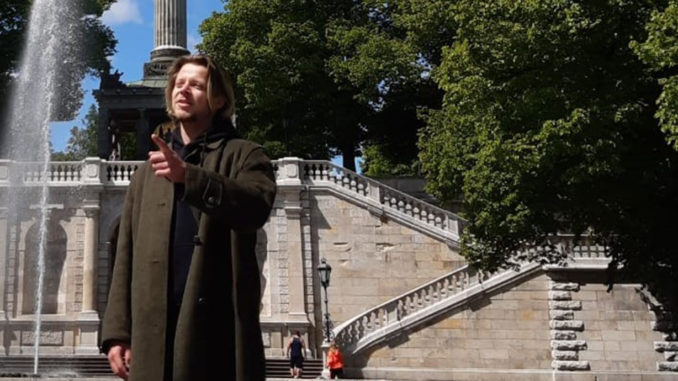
[{"x": 335, "y": 362}]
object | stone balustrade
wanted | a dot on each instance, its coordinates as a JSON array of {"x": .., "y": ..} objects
[
  {"x": 450, "y": 290},
  {"x": 378, "y": 198},
  {"x": 378, "y": 318},
  {"x": 91, "y": 171},
  {"x": 382, "y": 199}
]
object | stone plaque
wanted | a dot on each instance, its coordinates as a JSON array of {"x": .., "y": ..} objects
[{"x": 47, "y": 338}]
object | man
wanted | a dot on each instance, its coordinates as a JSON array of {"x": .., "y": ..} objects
[
  {"x": 295, "y": 351},
  {"x": 185, "y": 291}
]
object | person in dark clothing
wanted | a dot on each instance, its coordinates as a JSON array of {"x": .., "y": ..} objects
[
  {"x": 295, "y": 351},
  {"x": 185, "y": 289}
]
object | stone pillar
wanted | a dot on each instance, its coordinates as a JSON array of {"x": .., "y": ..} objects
[
  {"x": 105, "y": 143},
  {"x": 143, "y": 135},
  {"x": 88, "y": 321},
  {"x": 170, "y": 28},
  {"x": 289, "y": 189},
  {"x": 89, "y": 260}
]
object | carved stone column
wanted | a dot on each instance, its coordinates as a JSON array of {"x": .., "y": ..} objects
[
  {"x": 289, "y": 188},
  {"x": 170, "y": 28},
  {"x": 89, "y": 259},
  {"x": 88, "y": 321},
  {"x": 143, "y": 135}
]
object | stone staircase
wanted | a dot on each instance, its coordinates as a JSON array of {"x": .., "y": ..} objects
[
  {"x": 446, "y": 293},
  {"x": 97, "y": 366}
]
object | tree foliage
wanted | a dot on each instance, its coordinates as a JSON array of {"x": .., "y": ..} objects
[
  {"x": 82, "y": 141},
  {"x": 660, "y": 51},
  {"x": 92, "y": 40},
  {"x": 316, "y": 78},
  {"x": 548, "y": 126}
]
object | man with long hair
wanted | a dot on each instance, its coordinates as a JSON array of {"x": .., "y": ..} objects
[{"x": 185, "y": 290}]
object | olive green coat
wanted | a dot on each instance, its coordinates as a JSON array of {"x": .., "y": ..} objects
[{"x": 218, "y": 334}]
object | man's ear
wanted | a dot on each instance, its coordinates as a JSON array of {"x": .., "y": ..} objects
[{"x": 219, "y": 102}]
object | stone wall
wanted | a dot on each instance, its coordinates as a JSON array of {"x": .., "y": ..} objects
[
  {"x": 373, "y": 259},
  {"x": 558, "y": 325},
  {"x": 505, "y": 330},
  {"x": 617, "y": 326}
]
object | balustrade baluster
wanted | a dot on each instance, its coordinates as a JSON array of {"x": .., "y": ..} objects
[{"x": 416, "y": 212}]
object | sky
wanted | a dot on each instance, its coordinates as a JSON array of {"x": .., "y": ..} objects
[{"x": 132, "y": 23}]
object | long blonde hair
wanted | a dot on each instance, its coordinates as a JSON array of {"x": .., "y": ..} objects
[{"x": 218, "y": 84}]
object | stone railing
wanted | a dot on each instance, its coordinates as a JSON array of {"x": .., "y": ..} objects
[
  {"x": 376, "y": 197},
  {"x": 380, "y": 199},
  {"x": 119, "y": 173},
  {"x": 366, "y": 328},
  {"x": 451, "y": 290},
  {"x": 91, "y": 171},
  {"x": 55, "y": 173}
]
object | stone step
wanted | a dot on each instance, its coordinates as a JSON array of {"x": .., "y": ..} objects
[{"x": 17, "y": 366}]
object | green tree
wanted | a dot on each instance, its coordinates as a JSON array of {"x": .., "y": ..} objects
[
  {"x": 90, "y": 38},
  {"x": 548, "y": 126},
  {"x": 388, "y": 59},
  {"x": 83, "y": 141},
  {"x": 277, "y": 53},
  {"x": 660, "y": 51},
  {"x": 316, "y": 78}
]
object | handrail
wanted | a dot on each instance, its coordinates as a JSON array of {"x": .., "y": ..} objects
[
  {"x": 350, "y": 332},
  {"x": 54, "y": 173},
  {"x": 412, "y": 307},
  {"x": 317, "y": 172}
]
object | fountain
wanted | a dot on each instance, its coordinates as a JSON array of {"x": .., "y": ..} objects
[{"x": 51, "y": 49}]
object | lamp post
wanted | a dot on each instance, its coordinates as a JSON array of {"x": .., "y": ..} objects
[{"x": 324, "y": 271}]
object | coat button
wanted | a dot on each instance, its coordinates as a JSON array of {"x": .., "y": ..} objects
[
  {"x": 202, "y": 301},
  {"x": 211, "y": 200}
]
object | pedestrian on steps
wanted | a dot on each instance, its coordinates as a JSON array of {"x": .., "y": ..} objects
[{"x": 295, "y": 351}]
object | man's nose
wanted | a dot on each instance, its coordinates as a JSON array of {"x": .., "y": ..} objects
[{"x": 183, "y": 87}]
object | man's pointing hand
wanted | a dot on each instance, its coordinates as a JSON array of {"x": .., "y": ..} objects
[{"x": 166, "y": 162}]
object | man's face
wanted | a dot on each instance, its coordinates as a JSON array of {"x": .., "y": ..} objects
[{"x": 189, "y": 95}]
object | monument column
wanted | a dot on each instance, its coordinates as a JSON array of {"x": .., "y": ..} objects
[{"x": 170, "y": 29}]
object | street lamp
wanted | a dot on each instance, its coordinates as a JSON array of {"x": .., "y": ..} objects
[{"x": 324, "y": 271}]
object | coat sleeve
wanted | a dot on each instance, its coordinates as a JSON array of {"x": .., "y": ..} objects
[
  {"x": 117, "y": 322},
  {"x": 242, "y": 202}
]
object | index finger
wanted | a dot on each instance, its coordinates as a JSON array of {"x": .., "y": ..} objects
[{"x": 162, "y": 146}]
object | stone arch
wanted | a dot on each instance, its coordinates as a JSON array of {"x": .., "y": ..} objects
[{"x": 55, "y": 258}]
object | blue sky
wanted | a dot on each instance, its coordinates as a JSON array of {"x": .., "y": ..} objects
[{"x": 132, "y": 23}]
